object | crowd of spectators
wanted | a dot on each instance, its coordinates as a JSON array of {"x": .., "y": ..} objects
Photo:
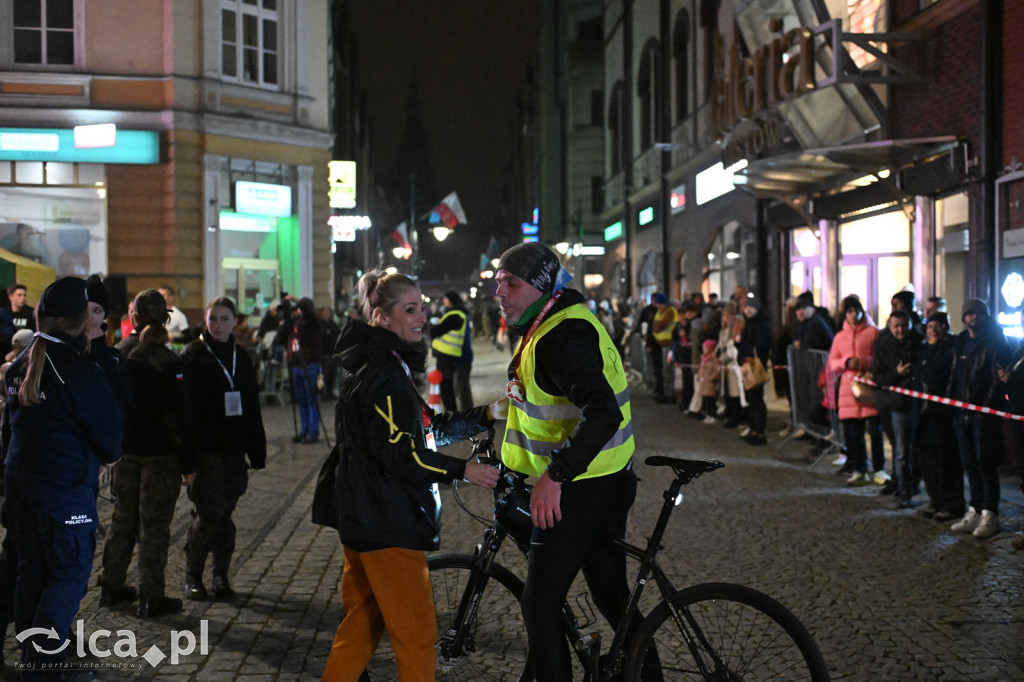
[{"x": 700, "y": 355}]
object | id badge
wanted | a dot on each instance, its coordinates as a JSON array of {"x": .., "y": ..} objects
[
  {"x": 431, "y": 443},
  {"x": 233, "y": 403},
  {"x": 516, "y": 392}
]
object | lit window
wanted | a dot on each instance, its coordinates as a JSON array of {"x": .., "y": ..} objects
[
  {"x": 249, "y": 41},
  {"x": 44, "y": 32}
]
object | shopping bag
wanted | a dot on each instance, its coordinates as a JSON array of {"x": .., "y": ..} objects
[
  {"x": 863, "y": 393},
  {"x": 754, "y": 374}
]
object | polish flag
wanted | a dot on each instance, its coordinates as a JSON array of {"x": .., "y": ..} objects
[
  {"x": 401, "y": 235},
  {"x": 450, "y": 210}
]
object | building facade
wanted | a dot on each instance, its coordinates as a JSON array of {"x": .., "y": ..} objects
[
  {"x": 837, "y": 146},
  {"x": 210, "y": 173}
]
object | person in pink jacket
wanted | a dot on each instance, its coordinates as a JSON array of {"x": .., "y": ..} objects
[{"x": 852, "y": 352}]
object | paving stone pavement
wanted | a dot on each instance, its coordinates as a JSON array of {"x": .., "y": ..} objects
[{"x": 887, "y": 595}]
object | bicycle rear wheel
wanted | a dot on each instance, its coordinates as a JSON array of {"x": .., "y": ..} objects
[
  {"x": 494, "y": 646},
  {"x": 754, "y": 637}
]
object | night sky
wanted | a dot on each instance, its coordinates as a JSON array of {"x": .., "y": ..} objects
[{"x": 470, "y": 59}]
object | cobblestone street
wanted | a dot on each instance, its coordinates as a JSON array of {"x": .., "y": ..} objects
[{"x": 887, "y": 594}]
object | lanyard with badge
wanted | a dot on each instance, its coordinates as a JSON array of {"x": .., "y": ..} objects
[
  {"x": 425, "y": 411},
  {"x": 232, "y": 398},
  {"x": 515, "y": 390}
]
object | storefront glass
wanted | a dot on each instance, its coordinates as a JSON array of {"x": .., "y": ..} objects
[
  {"x": 875, "y": 260},
  {"x": 55, "y": 214},
  {"x": 722, "y": 269}
]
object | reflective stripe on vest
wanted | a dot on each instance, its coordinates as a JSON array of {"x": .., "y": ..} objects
[
  {"x": 544, "y": 422},
  {"x": 450, "y": 343}
]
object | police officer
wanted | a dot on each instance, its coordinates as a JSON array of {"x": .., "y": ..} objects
[
  {"x": 452, "y": 346},
  {"x": 62, "y": 421},
  {"x": 159, "y": 452},
  {"x": 569, "y": 425}
]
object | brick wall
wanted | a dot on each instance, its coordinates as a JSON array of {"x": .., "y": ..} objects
[
  {"x": 950, "y": 102},
  {"x": 1013, "y": 81}
]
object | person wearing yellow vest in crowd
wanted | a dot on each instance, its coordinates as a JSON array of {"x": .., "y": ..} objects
[
  {"x": 569, "y": 426},
  {"x": 453, "y": 348},
  {"x": 661, "y": 318}
]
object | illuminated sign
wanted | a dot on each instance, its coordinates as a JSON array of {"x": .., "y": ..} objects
[
  {"x": 530, "y": 229},
  {"x": 530, "y": 239},
  {"x": 236, "y": 222},
  {"x": 341, "y": 180},
  {"x": 91, "y": 137},
  {"x": 678, "y": 199},
  {"x": 645, "y": 216},
  {"x": 716, "y": 181},
  {"x": 59, "y": 144},
  {"x": 536, "y": 216},
  {"x": 1013, "y": 289},
  {"x": 261, "y": 198},
  {"x": 613, "y": 231},
  {"x": 581, "y": 250}
]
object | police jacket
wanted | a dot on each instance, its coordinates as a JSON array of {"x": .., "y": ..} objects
[
  {"x": 213, "y": 370},
  {"x": 55, "y": 447},
  {"x": 385, "y": 489},
  {"x": 973, "y": 377},
  {"x": 157, "y": 421},
  {"x": 889, "y": 353},
  {"x": 568, "y": 362}
]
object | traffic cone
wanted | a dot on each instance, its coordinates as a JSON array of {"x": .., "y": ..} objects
[{"x": 434, "y": 376}]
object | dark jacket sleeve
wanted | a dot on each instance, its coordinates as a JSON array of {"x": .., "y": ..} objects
[
  {"x": 393, "y": 419},
  {"x": 255, "y": 434},
  {"x": 98, "y": 413},
  {"x": 113, "y": 365},
  {"x": 569, "y": 363}
]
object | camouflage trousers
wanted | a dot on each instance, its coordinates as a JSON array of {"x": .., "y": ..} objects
[
  {"x": 219, "y": 482},
  {"x": 145, "y": 490}
]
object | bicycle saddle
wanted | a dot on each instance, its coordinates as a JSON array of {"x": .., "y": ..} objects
[{"x": 690, "y": 467}]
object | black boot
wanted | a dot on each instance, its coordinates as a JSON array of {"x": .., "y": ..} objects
[
  {"x": 151, "y": 607},
  {"x": 221, "y": 587},
  {"x": 118, "y": 595},
  {"x": 194, "y": 588}
]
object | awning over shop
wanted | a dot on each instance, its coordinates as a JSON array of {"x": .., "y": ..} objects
[
  {"x": 35, "y": 276},
  {"x": 799, "y": 177}
]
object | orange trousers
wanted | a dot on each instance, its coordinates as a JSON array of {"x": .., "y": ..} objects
[{"x": 385, "y": 588}]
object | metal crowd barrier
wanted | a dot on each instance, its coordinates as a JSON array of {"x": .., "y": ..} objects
[{"x": 808, "y": 410}]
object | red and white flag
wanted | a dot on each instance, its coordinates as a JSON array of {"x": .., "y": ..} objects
[
  {"x": 450, "y": 210},
  {"x": 401, "y": 235}
]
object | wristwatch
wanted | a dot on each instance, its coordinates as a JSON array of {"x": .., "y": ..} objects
[{"x": 557, "y": 473}]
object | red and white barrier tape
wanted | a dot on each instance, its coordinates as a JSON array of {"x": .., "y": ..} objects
[{"x": 943, "y": 401}]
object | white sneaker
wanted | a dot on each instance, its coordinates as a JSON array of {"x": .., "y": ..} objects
[
  {"x": 968, "y": 523},
  {"x": 710, "y": 420},
  {"x": 881, "y": 477},
  {"x": 987, "y": 526},
  {"x": 745, "y": 432},
  {"x": 839, "y": 461}
]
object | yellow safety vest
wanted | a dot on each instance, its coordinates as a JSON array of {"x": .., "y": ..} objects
[
  {"x": 664, "y": 337},
  {"x": 543, "y": 422},
  {"x": 450, "y": 343}
]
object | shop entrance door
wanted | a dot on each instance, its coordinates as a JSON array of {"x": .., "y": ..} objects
[
  {"x": 874, "y": 279},
  {"x": 251, "y": 282}
]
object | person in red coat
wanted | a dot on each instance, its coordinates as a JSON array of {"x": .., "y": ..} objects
[{"x": 852, "y": 352}]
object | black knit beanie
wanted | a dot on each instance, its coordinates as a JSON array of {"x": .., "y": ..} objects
[{"x": 534, "y": 263}]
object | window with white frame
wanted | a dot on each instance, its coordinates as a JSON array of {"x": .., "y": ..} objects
[
  {"x": 249, "y": 41},
  {"x": 43, "y": 32}
]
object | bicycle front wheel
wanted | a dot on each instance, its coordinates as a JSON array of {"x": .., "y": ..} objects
[
  {"x": 747, "y": 636},
  {"x": 491, "y": 644}
]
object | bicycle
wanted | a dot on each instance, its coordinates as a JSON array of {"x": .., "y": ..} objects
[{"x": 711, "y": 631}]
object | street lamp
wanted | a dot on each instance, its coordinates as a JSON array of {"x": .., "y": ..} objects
[{"x": 441, "y": 232}]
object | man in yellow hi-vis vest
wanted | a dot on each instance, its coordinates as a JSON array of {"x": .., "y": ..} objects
[
  {"x": 569, "y": 425},
  {"x": 452, "y": 342}
]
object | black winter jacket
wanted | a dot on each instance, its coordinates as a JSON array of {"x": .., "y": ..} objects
[
  {"x": 756, "y": 338},
  {"x": 385, "y": 490},
  {"x": 932, "y": 422},
  {"x": 889, "y": 353},
  {"x": 207, "y": 384},
  {"x": 973, "y": 377},
  {"x": 157, "y": 420}
]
